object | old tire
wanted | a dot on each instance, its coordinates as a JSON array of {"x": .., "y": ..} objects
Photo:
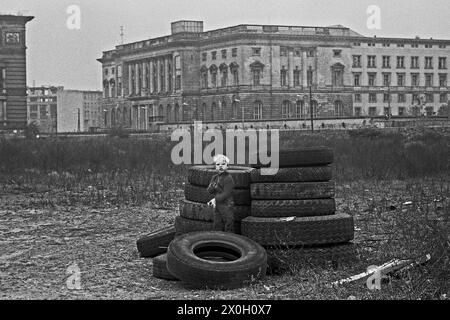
[
  {"x": 292, "y": 190},
  {"x": 201, "y": 211},
  {"x": 195, "y": 193},
  {"x": 298, "y": 174},
  {"x": 303, "y": 157},
  {"x": 201, "y": 175},
  {"x": 183, "y": 226},
  {"x": 248, "y": 260},
  {"x": 292, "y": 208},
  {"x": 155, "y": 243},
  {"x": 304, "y": 231},
  {"x": 160, "y": 268}
]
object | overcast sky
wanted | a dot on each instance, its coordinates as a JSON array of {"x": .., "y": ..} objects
[{"x": 59, "y": 56}]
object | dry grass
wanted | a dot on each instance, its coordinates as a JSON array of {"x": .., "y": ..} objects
[{"x": 103, "y": 194}]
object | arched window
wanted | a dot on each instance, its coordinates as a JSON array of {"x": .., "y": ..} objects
[
  {"x": 204, "y": 112},
  {"x": 105, "y": 88},
  {"x": 176, "y": 114},
  {"x": 257, "y": 72},
  {"x": 112, "y": 86},
  {"x": 204, "y": 77},
  {"x": 126, "y": 115},
  {"x": 283, "y": 77},
  {"x": 119, "y": 116},
  {"x": 257, "y": 109},
  {"x": 234, "y": 110},
  {"x": 337, "y": 72},
  {"x": 300, "y": 109},
  {"x": 285, "y": 108},
  {"x": 315, "y": 107},
  {"x": 222, "y": 109},
  {"x": 213, "y": 109},
  {"x": 213, "y": 71},
  {"x": 195, "y": 113},
  {"x": 161, "y": 113},
  {"x": 223, "y": 75},
  {"x": 113, "y": 118},
  {"x": 338, "y": 108},
  {"x": 169, "y": 114},
  {"x": 234, "y": 68}
]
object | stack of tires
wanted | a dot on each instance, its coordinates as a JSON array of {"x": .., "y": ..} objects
[
  {"x": 295, "y": 208},
  {"x": 196, "y": 215}
]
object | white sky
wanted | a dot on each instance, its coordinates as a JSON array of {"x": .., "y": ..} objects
[{"x": 59, "y": 56}]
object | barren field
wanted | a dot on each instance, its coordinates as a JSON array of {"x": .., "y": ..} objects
[
  {"x": 38, "y": 245},
  {"x": 68, "y": 204}
]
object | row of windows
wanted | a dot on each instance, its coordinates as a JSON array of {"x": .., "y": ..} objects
[
  {"x": 401, "y": 98},
  {"x": 399, "y": 45},
  {"x": 223, "y": 53},
  {"x": 297, "y": 52},
  {"x": 401, "y": 79},
  {"x": 386, "y": 62},
  {"x": 402, "y": 111}
]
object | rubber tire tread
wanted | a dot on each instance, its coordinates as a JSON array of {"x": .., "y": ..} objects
[
  {"x": 295, "y": 174},
  {"x": 160, "y": 268},
  {"x": 195, "y": 193},
  {"x": 203, "y": 212},
  {"x": 301, "y": 231},
  {"x": 155, "y": 243},
  {"x": 293, "y": 208},
  {"x": 201, "y": 175},
  {"x": 183, "y": 226},
  {"x": 292, "y": 190},
  {"x": 198, "y": 273}
]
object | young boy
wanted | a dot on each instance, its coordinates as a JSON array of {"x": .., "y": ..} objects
[{"x": 221, "y": 186}]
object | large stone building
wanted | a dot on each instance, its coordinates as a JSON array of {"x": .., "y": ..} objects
[
  {"x": 57, "y": 109},
  {"x": 259, "y": 72},
  {"x": 13, "y": 80}
]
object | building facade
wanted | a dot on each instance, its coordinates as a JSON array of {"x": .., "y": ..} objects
[
  {"x": 55, "y": 109},
  {"x": 42, "y": 108},
  {"x": 258, "y": 72},
  {"x": 13, "y": 81},
  {"x": 78, "y": 111}
]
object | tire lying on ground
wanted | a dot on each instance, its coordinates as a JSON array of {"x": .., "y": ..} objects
[
  {"x": 160, "y": 268},
  {"x": 293, "y": 208},
  {"x": 183, "y": 226},
  {"x": 195, "y": 193},
  {"x": 304, "y": 231},
  {"x": 201, "y": 211},
  {"x": 155, "y": 243},
  {"x": 216, "y": 260},
  {"x": 292, "y": 190},
  {"x": 299, "y": 174},
  {"x": 303, "y": 157},
  {"x": 201, "y": 175}
]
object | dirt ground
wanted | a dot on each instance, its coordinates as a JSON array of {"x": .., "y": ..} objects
[{"x": 38, "y": 243}]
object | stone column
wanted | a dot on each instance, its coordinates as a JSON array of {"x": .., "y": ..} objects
[
  {"x": 304, "y": 71},
  {"x": 151, "y": 77},
  {"x": 291, "y": 68},
  {"x": 144, "y": 75},
  {"x": 130, "y": 79},
  {"x": 166, "y": 73},
  {"x": 158, "y": 76},
  {"x": 138, "y": 89}
]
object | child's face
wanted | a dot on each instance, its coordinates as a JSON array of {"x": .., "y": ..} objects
[{"x": 221, "y": 166}]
